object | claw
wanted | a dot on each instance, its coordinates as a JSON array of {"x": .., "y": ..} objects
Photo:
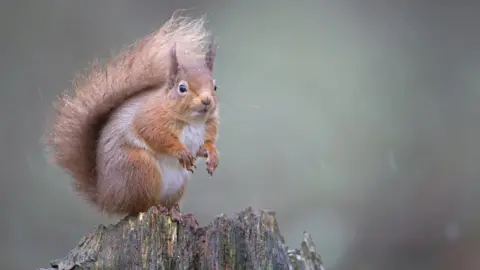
[
  {"x": 212, "y": 163},
  {"x": 191, "y": 168},
  {"x": 175, "y": 215},
  {"x": 191, "y": 221},
  {"x": 162, "y": 209},
  {"x": 186, "y": 219},
  {"x": 186, "y": 160}
]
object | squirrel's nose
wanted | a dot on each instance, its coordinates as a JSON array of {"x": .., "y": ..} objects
[{"x": 206, "y": 101}]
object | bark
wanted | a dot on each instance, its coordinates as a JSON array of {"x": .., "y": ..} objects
[{"x": 248, "y": 240}]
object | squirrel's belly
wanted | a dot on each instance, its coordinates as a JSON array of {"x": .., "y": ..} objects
[{"x": 174, "y": 176}]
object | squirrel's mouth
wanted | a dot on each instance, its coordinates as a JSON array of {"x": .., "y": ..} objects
[{"x": 203, "y": 110}]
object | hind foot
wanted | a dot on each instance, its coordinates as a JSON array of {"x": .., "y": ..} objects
[{"x": 177, "y": 216}]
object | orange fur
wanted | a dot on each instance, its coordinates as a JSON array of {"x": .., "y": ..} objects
[
  {"x": 142, "y": 192},
  {"x": 209, "y": 148},
  {"x": 149, "y": 71}
]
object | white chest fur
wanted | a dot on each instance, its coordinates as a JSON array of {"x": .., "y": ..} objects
[
  {"x": 173, "y": 174},
  {"x": 193, "y": 136}
]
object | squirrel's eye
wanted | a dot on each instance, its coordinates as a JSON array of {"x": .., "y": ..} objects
[
  {"x": 182, "y": 88},
  {"x": 214, "y": 85}
]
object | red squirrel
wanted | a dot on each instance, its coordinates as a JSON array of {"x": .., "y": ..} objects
[{"x": 131, "y": 133}]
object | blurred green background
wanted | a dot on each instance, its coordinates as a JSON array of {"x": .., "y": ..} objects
[{"x": 356, "y": 120}]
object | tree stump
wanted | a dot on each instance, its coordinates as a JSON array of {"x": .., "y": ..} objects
[{"x": 248, "y": 240}]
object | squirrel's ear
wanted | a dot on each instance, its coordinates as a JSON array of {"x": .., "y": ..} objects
[
  {"x": 173, "y": 66},
  {"x": 210, "y": 55}
]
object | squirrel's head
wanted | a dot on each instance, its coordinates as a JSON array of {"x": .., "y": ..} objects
[{"x": 191, "y": 86}]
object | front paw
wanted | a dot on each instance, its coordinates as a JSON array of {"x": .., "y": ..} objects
[
  {"x": 212, "y": 162},
  {"x": 187, "y": 160},
  {"x": 202, "y": 152}
]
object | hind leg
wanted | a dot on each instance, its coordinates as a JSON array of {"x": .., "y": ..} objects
[
  {"x": 170, "y": 206},
  {"x": 132, "y": 182}
]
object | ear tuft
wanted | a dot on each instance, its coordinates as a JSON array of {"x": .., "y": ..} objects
[
  {"x": 173, "y": 65},
  {"x": 210, "y": 55}
]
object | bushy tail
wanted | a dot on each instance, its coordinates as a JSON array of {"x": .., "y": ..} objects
[{"x": 79, "y": 118}]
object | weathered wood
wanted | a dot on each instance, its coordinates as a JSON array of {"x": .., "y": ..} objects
[{"x": 248, "y": 240}]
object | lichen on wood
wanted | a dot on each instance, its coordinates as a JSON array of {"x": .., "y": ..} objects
[{"x": 247, "y": 240}]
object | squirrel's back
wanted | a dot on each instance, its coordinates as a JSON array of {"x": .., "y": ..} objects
[{"x": 80, "y": 118}]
